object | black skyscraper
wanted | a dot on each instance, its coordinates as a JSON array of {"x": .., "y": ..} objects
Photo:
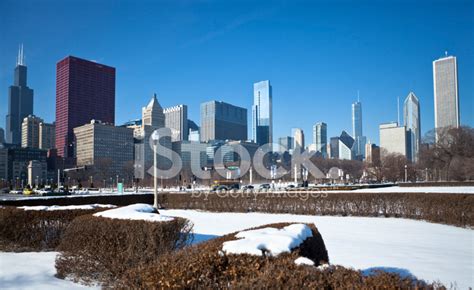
[{"x": 20, "y": 101}]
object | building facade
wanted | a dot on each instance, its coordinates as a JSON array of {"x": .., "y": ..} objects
[
  {"x": 176, "y": 118},
  {"x": 222, "y": 121},
  {"x": 153, "y": 118},
  {"x": 18, "y": 161},
  {"x": 104, "y": 146},
  {"x": 298, "y": 138},
  {"x": 334, "y": 147},
  {"x": 285, "y": 144},
  {"x": 47, "y": 136},
  {"x": 85, "y": 90},
  {"x": 346, "y": 146},
  {"x": 30, "y": 131},
  {"x": 446, "y": 97},
  {"x": 20, "y": 101},
  {"x": 320, "y": 138},
  {"x": 411, "y": 118},
  {"x": 357, "y": 134},
  {"x": 393, "y": 139},
  {"x": 2, "y": 136},
  {"x": 262, "y": 118}
]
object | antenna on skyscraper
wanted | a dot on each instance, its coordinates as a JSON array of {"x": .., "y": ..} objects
[
  {"x": 398, "y": 111},
  {"x": 20, "y": 59},
  {"x": 358, "y": 98}
]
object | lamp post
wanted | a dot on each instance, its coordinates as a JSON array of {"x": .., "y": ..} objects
[
  {"x": 406, "y": 173},
  {"x": 155, "y": 138}
]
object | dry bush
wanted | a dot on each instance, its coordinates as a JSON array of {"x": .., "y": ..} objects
[
  {"x": 445, "y": 208},
  {"x": 452, "y": 209},
  {"x": 97, "y": 249},
  {"x": 34, "y": 230},
  {"x": 205, "y": 266}
]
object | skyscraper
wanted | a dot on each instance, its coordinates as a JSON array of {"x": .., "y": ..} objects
[
  {"x": 298, "y": 138},
  {"x": 359, "y": 138},
  {"x": 222, "y": 121},
  {"x": 30, "y": 131},
  {"x": 85, "y": 90},
  {"x": 446, "y": 98},
  {"x": 152, "y": 114},
  {"x": 285, "y": 144},
  {"x": 2, "y": 136},
  {"x": 20, "y": 101},
  {"x": 393, "y": 139},
  {"x": 345, "y": 146},
  {"x": 47, "y": 136},
  {"x": 262, "y": 119},
  {"x": 411, "y": 117},
  {"x": 176, "y": 118},
  {"x": 320, "y": 137}
]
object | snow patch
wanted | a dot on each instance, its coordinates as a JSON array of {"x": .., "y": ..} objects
[
  {"x": 67, "y": 207},
  {"x": 304, "y": 261},
  {"x": 270, "y": 240},
  {"x": 139, "y": 211}
]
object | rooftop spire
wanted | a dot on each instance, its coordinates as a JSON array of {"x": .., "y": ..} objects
[{"x": 20, "y": 60}]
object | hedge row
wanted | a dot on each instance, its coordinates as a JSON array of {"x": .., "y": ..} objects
[
  {"x": 445, "y": 208},
  {"x": 96, "y": 249},
  {"x": 452, "y": 209},
  {"x": 206, "y": 266},
  {"x": 34, "y": 230}
]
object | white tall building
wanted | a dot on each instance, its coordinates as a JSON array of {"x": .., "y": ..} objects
[
  {"x": 30, "y": 131},
  {"x": 446, "y": 98},
  {"x": 298, "y": 139},
  {"x": 176, "y": 118},
  {"x": 393, "y": 139},
  {"x": 411, "y": 118},
  {"x": 152, "y": 114}
]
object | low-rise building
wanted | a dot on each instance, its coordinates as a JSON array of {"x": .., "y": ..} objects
[{"x": 98, "y": 143}]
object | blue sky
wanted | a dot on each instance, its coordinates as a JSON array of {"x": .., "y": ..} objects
[{"x": 316, "y": 54}]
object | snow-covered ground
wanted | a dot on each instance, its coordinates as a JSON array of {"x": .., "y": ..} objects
[
  {"x": 139, "y": 211},
  {"x": 426, "y": 250},
  {"x": 31, "y": 271},
  {"x": 67, "y": 207}
]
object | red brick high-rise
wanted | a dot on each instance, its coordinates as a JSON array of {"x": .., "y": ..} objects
[{"x": 85, "y": 90}]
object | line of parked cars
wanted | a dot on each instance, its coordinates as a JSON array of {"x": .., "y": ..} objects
[{"x": 47, "y": 191}]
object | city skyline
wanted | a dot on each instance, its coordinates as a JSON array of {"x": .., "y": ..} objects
[{"x": 407, "y": 69}]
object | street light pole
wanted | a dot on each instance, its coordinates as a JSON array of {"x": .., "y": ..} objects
[
  {"x": 155, "y": 181},
  {"x": 406, "y": 173}
]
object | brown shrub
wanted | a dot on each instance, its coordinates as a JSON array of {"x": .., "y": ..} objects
[
  {"x": 445, "y": 208},
  {"x": 34, "y": 230},
  {"x": 203, "y": 266},
  {"x": 98, "y": 249}
]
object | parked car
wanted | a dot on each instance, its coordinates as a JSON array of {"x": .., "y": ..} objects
[
  {"x": 28, "y": 191},
  {"x": 264, "y": 186},
  {"x": 247, "y": 187},
  {"x": 16, "y": 191}
]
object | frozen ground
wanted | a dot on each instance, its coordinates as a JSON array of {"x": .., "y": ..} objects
[
  {"x": 425, "y": 250},
  {"x": 31, "y": 271},
  {"x": 139, "y": 211}
]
